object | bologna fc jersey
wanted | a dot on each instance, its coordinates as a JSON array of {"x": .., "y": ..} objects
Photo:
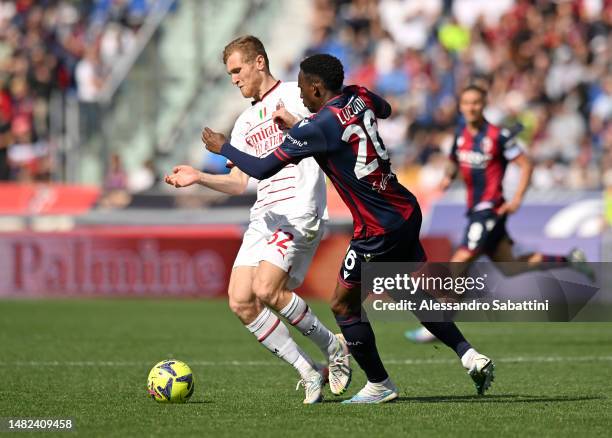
[
  {"x": 482, "y": 159},
  {"x": 343, "y": 139},
  {"x": 297, "y": 190}
]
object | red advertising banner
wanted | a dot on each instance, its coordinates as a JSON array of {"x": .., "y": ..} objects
[
  {"x": 46, "y": 198},
  {"x": 146, "y": 262},
  {"x": 128, "y": 261}
]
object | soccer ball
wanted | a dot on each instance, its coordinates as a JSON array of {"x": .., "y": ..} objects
[{"x": 170, "y": 381}]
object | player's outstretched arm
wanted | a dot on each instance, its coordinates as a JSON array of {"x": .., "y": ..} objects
[
  {"x": 259, "y": 168},
  {"x": 233, "y": 183},
  {"x": 526, "y": 167},
  {"x": 450, "y": 172}
]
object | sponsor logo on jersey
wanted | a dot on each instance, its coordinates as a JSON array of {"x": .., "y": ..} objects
[
  {"x": 474, "y": 159},
  {"x": 381, "y": 186},
  {"x": 486, "y": 145},
  {"x": 295, "y": 141},
  {"x": 265, "y": 138}
]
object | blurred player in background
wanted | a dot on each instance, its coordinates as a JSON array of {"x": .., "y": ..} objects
[
  {"x": 286, "y": 226},
  {"x": 481, "y": 151},
  {"x": 343, "y": 138}
]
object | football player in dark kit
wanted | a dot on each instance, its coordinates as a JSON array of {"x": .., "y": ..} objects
[
  {"x": 342, "y": 137},
  {"x": 481, "y": 152}
]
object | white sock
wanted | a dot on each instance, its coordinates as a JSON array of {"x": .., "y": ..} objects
[
  {"x": 466, "y": 359},
  {"x": 300, "y": 316},
  {"x": 274, "y": 335}
]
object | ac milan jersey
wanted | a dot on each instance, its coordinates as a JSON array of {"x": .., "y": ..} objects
[
  {"x": 297, "y": 190},
  {"x": 343, "y": 139},
  {"x": 482, "y": 159}
]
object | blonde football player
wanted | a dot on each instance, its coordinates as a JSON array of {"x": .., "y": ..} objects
[{"x": 286, "y": 226}]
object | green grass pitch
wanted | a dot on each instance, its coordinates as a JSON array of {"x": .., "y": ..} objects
[{"x": 88, "y": 360}]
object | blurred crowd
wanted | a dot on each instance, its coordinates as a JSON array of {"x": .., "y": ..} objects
[
  {"x": 546, "y": 64},
  {"x": 49, "y": 48}
]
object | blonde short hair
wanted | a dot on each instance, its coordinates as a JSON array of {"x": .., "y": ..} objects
[{"x": 250, "y": 47}]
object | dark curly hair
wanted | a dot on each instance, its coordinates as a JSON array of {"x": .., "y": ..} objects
[{"x": 327, "y": 68}]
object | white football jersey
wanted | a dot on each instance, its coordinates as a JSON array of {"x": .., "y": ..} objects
[{"x": 296, "y": 190}]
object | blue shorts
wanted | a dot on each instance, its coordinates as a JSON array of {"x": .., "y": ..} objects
[
  {"x": 401, "y": 245},
  {"x": 484, "y": 231}
]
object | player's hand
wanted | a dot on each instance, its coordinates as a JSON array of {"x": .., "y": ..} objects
[
  {"x": 183, "y": 176},
  {"x": 509, "y": 207},
  {"x": 213, "y": 140},
  {"x": 445, "y": 183},
  {"x": 283, "y": 118}
]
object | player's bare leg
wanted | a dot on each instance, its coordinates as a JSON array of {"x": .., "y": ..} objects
[
  {"x": 242, "y": 300},
  {"x": 504, "y": 258},
  {"x": 269, "y": 285},
  {"x": 346, "y": 306},
  {"x": 537, "y": 261},
  {"x": 270, "y": 331}
]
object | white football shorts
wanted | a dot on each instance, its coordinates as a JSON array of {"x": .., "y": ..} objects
[{"x": 290, "y": 245}]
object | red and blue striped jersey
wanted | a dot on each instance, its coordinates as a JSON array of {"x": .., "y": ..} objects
[
  {"x": 343, "y": 138},
  {"x": 482, "y": 159}
]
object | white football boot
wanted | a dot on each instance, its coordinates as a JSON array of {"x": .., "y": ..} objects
[
  {"x": 480, "y": 368},
  {"x": 374, "y": 393},
  {"x": 313, "y": 387},
  {"x": 339, "y": 367}
]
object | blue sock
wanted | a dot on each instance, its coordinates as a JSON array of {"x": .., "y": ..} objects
[
  {"x": 362, "y": 345},
  {"x": 450, "y": 335}
]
